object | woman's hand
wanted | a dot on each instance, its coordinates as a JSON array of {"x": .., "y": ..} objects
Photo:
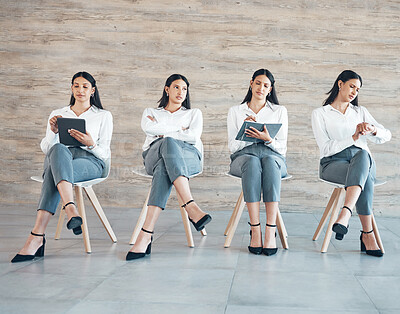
[
  {"x": 84, "y": 138},
  {"x": 53, "y": 124},
  {"x": 364, "y": 128},
  {"x": 152, "y": 118},
  {"x": 250, "y": 118},
  {"x": 264, "y": 135}
]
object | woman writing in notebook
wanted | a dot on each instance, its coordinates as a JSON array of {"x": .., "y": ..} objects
[
  {"x": 65, "y": 165},
  {"x": 261, "y": 164},
  {"x": 172, "y": 153},
  {"x": 341, "y": 128}
]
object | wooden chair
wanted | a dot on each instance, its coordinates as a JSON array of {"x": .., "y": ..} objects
[
  {"x": 334, "y": 205},
  {"x": 237, "y": 213},
  {"x": 185, "y": 218},
  {"x": 87, "y": 186}
]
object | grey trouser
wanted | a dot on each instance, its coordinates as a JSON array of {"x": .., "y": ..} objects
[
  {"x": 352, "y": 166},
  {"x": 71, "y": 164},
  {"x": 260, "y": 168},
  {"x": 166, "y": 160}
]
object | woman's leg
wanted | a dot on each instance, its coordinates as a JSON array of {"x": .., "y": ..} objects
[
  {"x": 34, "y": 242},
  {"x": 271, "y": 209},
  {"x": 144, "y": 238},
  {"x": 254, "y": 214},
  {"x": 248, "y": 167},
  {"x": 359, "y": 186},
  {"x": 273, "y": 169},
  {"x": 181, "y": 161},
  {"x": 182, "y": 187},
  {"x": 368, "y": 238}
]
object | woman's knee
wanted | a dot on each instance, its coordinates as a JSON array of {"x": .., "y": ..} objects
[
  {"x": 270, "y": 163},
  {"x": 59, "y": 149},
  {"x": 251, "y": 163},
  {"x": 364, "y": 157}
]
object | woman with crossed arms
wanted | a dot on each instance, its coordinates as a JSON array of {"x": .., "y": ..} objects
[
  {"x": 172, "y": 153},
  {"x": 341, "y": 128}
]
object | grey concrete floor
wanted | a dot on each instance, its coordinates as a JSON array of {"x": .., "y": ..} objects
[{"x": 206, "y": 279}]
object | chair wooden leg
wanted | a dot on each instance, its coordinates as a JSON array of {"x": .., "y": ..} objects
[
  {"x": 335, "y": 212},
  {"x": 282, "y": 230},
  {"x": 60, "y": 224},
  {"x": 186, "y": 223},
  {"x": 377, "y": 235},
  {"x": 325, "y": 216},
  {"x": 235, "y": 222},
  {"x": 233, "y": 216},
  {"x": 100, "y": 212},
  {"x": 141, "y": 219},
  {"x": 82, "y": 212}
]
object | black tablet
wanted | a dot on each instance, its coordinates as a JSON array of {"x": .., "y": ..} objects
[{"x": 64, "y": 124}]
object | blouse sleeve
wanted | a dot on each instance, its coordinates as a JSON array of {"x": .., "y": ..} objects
[
  {"x": 192, "y": 134},
  {"x": 233, "y": 144},
  {"x": 382, "y": 135},
  {"x": 103, "y": 142},
  {"x": 279, "y": 143},
  {"x": 51, "y": 138}
]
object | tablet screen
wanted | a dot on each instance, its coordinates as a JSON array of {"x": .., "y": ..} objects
[{"x": 64, "y": 124}]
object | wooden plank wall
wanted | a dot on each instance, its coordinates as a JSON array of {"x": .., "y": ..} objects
[{"x": 132, "y": 46}]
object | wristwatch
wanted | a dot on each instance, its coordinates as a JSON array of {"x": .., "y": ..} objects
[{"x": 91, "y": 147}]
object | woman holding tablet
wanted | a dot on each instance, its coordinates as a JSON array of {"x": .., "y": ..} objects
[
  {"x": 341, "y": 128},
  {"x": 65, "y": 165},
  {"x": 172, "y": 154},
  {"x": 262, "y": 164}
]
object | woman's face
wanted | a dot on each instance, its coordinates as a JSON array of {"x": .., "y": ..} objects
[
  {"x": 349, "y": 89},
  {"x": 177, "y": 91},
  {"x": 260, "y": 87},
  {"x": 82, "y": 89}
]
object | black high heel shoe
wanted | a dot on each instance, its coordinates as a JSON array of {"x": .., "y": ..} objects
[
  {"x": 39, "y": 253},
  {"x": 257, "y": 250},
  {"x": 270, "y": 251},
  {"x": 75, "y": 222},
  {"x": 202, "y": 221},
  {"x": 340, "y": 229},
  {"x": 134, "y": 255},
  {"x": 377, "y": 253}
]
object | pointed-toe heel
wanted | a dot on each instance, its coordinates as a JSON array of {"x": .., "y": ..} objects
[
  {"x": 270, "y": 251},
  {"x": 136, "y": 255},
  {"x": 340, "y": 229},
  {"x": 199, "y": 225},
  {"x": 377, "y": 253},
  {"x": 39, "y": 252},
  {"x": 257, "y": 250}
]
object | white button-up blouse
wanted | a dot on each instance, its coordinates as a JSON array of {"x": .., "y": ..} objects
[
  {"x": 184, "y": 124},
  {"x": 270, "y": 113},
  {"x": 333, "y": 130},
  {"x": 99, "y": 124}
]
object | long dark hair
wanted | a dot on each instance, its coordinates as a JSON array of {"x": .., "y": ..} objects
[
  {"x": 344, "y": 77},
  {"x": 95, "y": 99},
  {"x": 163, "y": 102},
  {"x": 271, "y": 97}
]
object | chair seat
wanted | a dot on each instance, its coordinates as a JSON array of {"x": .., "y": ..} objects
[
  {"x": 83, "y": 184},
  {"x": 378, "y": 182},
  {"x": 141, "y": 171},
  {"x": 289, "y": 176}
]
